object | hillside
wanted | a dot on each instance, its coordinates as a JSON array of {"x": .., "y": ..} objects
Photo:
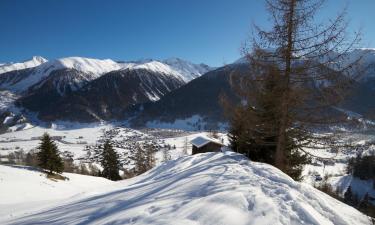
[
  {"x": 201, "y": 189},
  {"x": 23, "y": 188}
]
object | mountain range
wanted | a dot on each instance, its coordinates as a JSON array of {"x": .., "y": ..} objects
[
  {"x": 87, "y": 90},
  {"x": 140, "y": 92}
]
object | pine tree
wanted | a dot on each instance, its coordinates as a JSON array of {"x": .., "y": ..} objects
[
  {"x": 110, "y": 162},
  {"x": 48, "y": 155},
  {"x": 150, "y": 150},
  {"x": 364, "y": 204},
  {"x": 348, "y": 196}
]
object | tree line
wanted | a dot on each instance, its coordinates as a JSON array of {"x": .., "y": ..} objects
[{"x": 48, "y": 157}]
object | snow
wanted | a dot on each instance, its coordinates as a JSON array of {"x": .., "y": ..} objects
[
  {"x": 24, "y": 188},
  {"x": 358, "y": 186},
  {"x": 178, "y": 68},
  {"x": 182, "y": 69},
  {"x": 188, "y": 70},
  {"x": 94, "y": 68},
  {"x": 190, "y": 123},
  {"x": 87, "y": 65},
  {"x": 210, "y": 188},
  {"x": 35, "y": 61}
]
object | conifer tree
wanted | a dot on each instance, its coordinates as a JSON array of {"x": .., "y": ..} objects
[
  {"x": 348, "y": 196},
  {"x": 110, "y": 162},
  {"x": 48, "y": 155}
]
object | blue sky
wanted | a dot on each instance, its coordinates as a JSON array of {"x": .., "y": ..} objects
[{"x": 209, "y": 31}]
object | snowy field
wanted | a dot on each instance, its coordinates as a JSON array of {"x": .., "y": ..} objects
[
  {"x": 211, "y": 188},
  {"x": 23, "y": 189}
]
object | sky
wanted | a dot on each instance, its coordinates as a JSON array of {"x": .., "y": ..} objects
[{"x": 202, "y": 31}]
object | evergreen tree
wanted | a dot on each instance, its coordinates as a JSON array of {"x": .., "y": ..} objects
[
  {"x": 348, "y": 196},
  {"x": 48, "y": 155},
  {"x": 110, "y": 162},
  {"x": 365, "y": 203}
]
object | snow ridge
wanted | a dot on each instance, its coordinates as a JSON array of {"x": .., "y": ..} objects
[
  {"x": 211, "y": 189},
  {"x": 33, "y": 62}
]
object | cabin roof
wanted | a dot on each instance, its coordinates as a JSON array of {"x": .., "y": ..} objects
[{"x": 202, "y": 141}]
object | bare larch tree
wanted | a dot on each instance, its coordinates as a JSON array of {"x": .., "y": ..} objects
[{"x": 299, "y": 72}]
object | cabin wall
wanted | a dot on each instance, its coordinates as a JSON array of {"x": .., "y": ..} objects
[{"x": 210, "y": 147}]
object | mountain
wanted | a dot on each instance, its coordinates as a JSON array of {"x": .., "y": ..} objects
[
  {"x": 20, "y": 80},
  {"x": 197, "y": 102},
  {"x": 189, "y": 70},
  {"x": 33, "y": 62},
  {"x": 200, "y": 97},
  {"x": 210, "y": 188},
  {"x": 69, "y": 84},
  {"x": 19, "y": 77},
  {"x": 104, "y": 98}
]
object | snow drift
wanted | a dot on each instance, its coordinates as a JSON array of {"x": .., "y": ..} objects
[{"x": 211, "y": 188}]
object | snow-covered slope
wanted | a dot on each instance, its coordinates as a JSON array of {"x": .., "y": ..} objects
[
  {"x": 88, "y": 69},
  {"x": 188, "y": 70},
  {"x": 92, "y": 68},
  {"x": 24, "y": 188},
  {"x": 87, "y": 65},
  {"x": 211, "y": 188},
  {"x": 33, "y": 62},
  {"x": 182, "y": 69}
]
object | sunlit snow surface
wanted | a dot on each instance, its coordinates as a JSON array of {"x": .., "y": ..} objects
[{"x": 211, "y": 188}]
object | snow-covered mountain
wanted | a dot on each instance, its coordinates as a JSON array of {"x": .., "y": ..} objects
[
  {"x": 40, "y": 83},
  {"x": 104, "y": 98},
  {"x": 179, "y": 67},
  {"x": 19, "y": 77},
  {"x": 20, "y": 80},
  {"x": 189, "y": 70},
  {"x": 210, "y": 188},
  {"x": 35, "y": 61}
]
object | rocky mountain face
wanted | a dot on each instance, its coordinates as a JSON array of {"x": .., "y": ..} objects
[
  {"x": 199, "y": 97},
  {"x": 104, "y": 98}
]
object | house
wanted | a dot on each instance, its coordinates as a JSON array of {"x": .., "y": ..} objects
[{"x": 204, "y": 144}]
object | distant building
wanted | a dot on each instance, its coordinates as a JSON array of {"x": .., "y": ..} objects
[{"x": 204, "y": 144}]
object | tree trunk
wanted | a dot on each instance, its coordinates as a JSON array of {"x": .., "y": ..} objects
[{"x": 288, "y": 54}]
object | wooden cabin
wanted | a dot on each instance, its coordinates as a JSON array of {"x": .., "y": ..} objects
[{"x": 204, "y": 144}]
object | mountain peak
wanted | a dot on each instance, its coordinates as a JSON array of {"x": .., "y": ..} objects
[
  {"x": 33, "y": 62},
  {"x": 38, "y": 59}
]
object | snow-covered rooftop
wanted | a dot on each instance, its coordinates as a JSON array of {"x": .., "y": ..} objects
[{"x": 202, "y": 141}]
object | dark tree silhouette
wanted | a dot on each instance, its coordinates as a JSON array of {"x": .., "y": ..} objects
[
  {"x": 48, "y": 155},
  {"x": 110, "y": 162}
]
